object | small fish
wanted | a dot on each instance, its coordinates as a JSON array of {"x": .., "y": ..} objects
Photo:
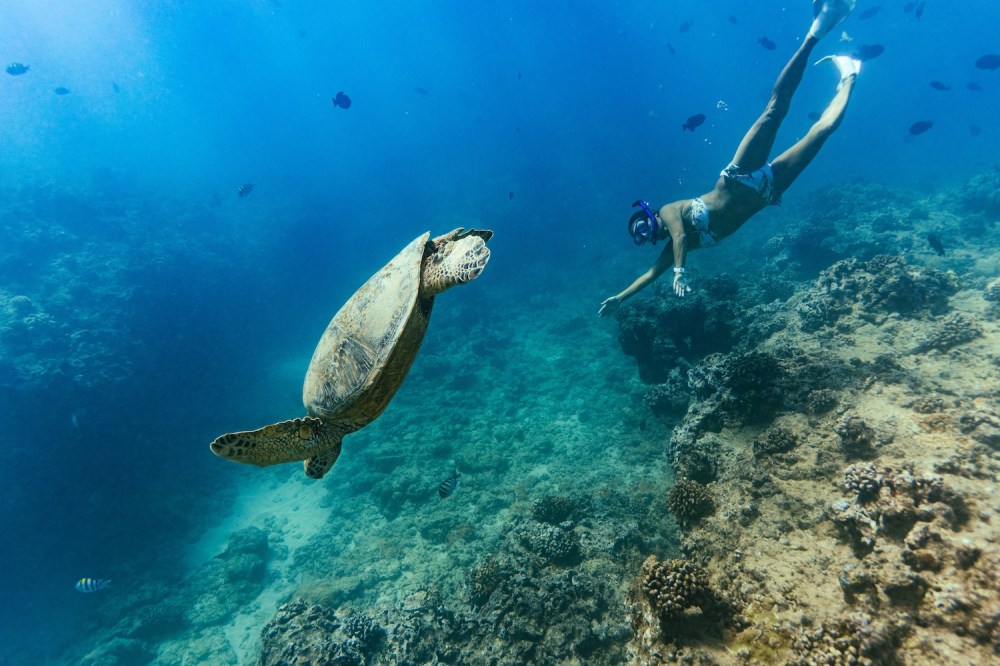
[
  {"x": 519, "y": 76},
  {"x": 918, "y": 11},
  {"x": 87, "y": 585},
  {"x": 935, "y": 242},
  {"x": 990, "y": 61},
  {"x": 244, "y": 190},
  {"x": 114, "y": 86},
  {"x": 342, "y": 101},
  {"x": 510, "y": 195},
  {"x": 448, "y": 486},
  {"x": 920, "y": 127},
  {"x": 974, "y": 87},
  {"x": 17, "y": 69},
  {"x": 938, "y": 85},
  {"x": 686, "y": 26},
  {"x": 61, "y": 90},
  {"x": 733, "y": 19},
  {"x": 870, "y": 12},
  {"x": 421, "y": 91},
  {"x": 767, "y": 43},
  {"x": 844, "y": 37},
  {"x": 814, "y": 115},
  {"x": 869, "y": 51},
  {"x": 693, "y": 122},
  {"x": 670, "y": 47},
  {"x": 975, "y": 130}
]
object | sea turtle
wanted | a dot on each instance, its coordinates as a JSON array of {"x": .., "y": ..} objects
[{"x": 364, "y": 354}]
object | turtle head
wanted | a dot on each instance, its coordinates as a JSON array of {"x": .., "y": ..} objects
[
  {"x": 454, "y": 258},
  {"x": 309, "y": 439}
]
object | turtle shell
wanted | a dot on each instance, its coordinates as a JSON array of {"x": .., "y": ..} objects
[{"x": 370, "y": 344}]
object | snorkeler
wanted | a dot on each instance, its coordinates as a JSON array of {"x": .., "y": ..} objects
[{"x": 750, "y": 182}]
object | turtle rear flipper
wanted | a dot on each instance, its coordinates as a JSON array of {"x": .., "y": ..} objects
[
  {"x": 317, "y": 466},
  {"x": 287, "y": 441}
]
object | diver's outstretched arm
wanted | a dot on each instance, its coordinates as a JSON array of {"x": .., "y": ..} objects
[{"x": 663, "y": 262}]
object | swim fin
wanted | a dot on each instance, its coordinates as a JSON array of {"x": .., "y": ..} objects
[
  {"x": 829, "y": 13},
  {"x": 846, "y": 65}
]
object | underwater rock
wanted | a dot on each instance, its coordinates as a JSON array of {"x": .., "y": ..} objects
[
  {"x": 664, "y": 332},
  {"x": 551, "y": 544},
  {"x": 689, "y": 501},
  {"x": 953, "y": 330},
  {"x": 981, "y": 194},
  {"x": 872, "y": 290},
  {"x": 891, "y": 503},
  {"x": 742, "y": 386},
  {"x": 669, "y": 399},
  {"x": 553, "y": 509},
  {"x": 857, "y": 438},
  {"x": 120, "y": 651},
  {"x": 774, "y": 440},
  {"x": 482, "y": 580},
  {"x": 821, "y": 401},
  {"x": 982, "y": 426},
  {"x": 311, "y": 634},
  {"x": 849, "y": 640}
]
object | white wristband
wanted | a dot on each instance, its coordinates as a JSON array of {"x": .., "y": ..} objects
[{"x": 678, "y": 270}]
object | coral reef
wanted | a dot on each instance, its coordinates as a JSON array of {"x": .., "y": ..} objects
[
  {"x": 955, "y": 329},
  {"x": 872, "y": 290},
  {"x": 689, "y": 501},
  {"x": 554, "y": 509},
  {"x": 774, "y": 440},
  {"x": 674, "y": 586}
]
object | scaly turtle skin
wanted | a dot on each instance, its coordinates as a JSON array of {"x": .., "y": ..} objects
[{"x": 365, "y": 353}]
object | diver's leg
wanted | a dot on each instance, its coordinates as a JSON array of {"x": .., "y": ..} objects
[
  {"x": 790, "y": 163},
  {"x": 756, "y": 145}
]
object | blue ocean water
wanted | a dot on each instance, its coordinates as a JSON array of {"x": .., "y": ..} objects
[{"x": 164, "y": 310}]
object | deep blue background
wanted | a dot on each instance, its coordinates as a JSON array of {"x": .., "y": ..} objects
[{"x": 574, "y": 107}]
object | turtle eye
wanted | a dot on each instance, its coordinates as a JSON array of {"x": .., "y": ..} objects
[{"x": 438, "y": 258}]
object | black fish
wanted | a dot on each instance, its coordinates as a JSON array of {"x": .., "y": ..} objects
[
  {"x": 869, "y": 51},
  {"x": 693, "y": 122},
  {"x": 814, "y": 115},
  {"x": 935, "y": 242},
  {"x": 733, "y": 19},
  {"x": 17, "y": 69},
  {"x": 448, "y": 486},
  {"x": 510, "y": 195},
  {"x": 244, "y": 190},
  {"x": 870, "y": 12},
  {"x": 937, "y": 85},
  {"x": 422, "y": 91},
  {"x": 519, "y": 76},
  {"x": 342, "y": 101},
  {"x": 767, "y": 43},
  {"x": 919, "y": 11},
  {"x": 114, "y": 86},
  {"x": 990, "y": 61},
  {"x": 670, "y": 47},
  {"x": 920, "y": 127},
  {"x": 974, "y": 130},
  {"x": 61, "y": 90},
  {"x": 686, "y": 26},
  {"x": 974, "y": 87}
]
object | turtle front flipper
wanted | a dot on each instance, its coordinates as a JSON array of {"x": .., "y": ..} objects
[{"x": 287, "y": 441}]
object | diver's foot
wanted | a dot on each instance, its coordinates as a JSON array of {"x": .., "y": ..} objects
[
  {"x": 828, "y": 14},
  {"x": 846, "y": 65}
]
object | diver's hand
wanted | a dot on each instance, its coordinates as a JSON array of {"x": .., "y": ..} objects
[
  {"x": 680, "y": 284},
  {"x": 609, "y": 305}
]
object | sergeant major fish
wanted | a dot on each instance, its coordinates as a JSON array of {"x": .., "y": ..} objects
[
  {"x": 244, "y": 190},
  {"x": 448, "y": 486},
  {"x": 87, "y": 585},
  {"x": 17, "y": 69}
]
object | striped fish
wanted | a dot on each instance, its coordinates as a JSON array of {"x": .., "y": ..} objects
[
  {"x": 87, "y": 585},
  {"x": 448, "y": 486},
  {"x": 244, "y": 190}
]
